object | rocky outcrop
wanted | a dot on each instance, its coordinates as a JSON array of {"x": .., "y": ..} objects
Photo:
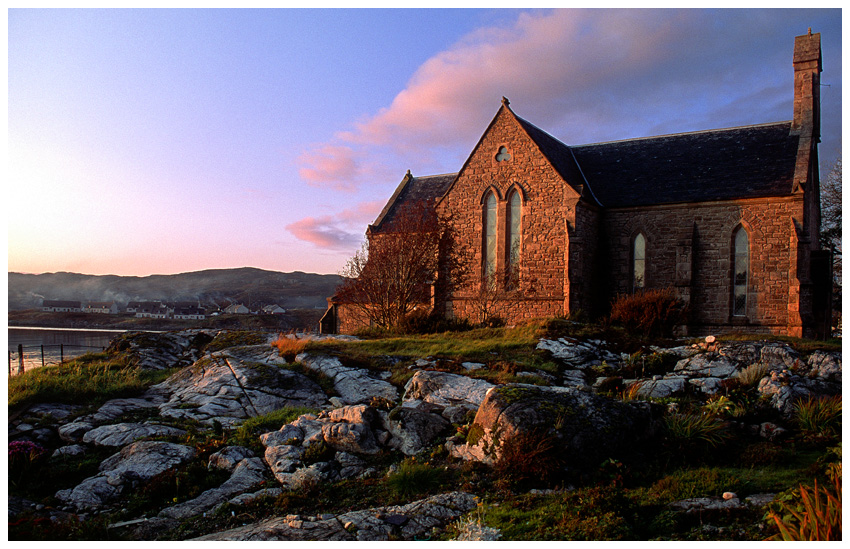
[
  {"x": 353, "y": 385},
  {"x": 580, "y": 354},
  {"x": 414, "y": 520},
  {"x": 452, "y": 395},
  {"x": 367, "y": 418},
  {"x": 247, "y": 473},
  {"x": 122, "y": 434},
  {"x": 236, "y": 384},
  {"x": 164, "y": 350},
  {"x": 135, "y": 463},
  {"x": 585, "y": 428}
]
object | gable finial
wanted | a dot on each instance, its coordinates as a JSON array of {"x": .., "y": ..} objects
[
  {"x": 505, "y": 101},
  {"x": 409, "y": 174}
]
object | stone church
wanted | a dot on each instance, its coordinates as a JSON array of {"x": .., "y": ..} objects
[{"x": 727, "y": 218}]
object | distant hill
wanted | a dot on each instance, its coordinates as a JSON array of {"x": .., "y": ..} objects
[{"x": 247, "y": 285}]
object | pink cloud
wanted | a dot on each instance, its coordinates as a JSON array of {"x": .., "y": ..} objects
[
  {"x": 583, "y": 75},
  {"x": 329, "y": 163},
  {"x": 339, "y": 231}
]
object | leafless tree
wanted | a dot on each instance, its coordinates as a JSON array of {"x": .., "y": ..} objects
[
  {"x": 399, "y": 267},
  {"x": 830, "y": 234}
]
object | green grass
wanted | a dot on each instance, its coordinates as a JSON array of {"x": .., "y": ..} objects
[
  {"x": 481, "y": 343},
  {"x": 90, "y": 379},
  {"x": 247, "y": 434}
]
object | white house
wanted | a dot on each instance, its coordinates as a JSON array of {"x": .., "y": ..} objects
[
  {"x": 56, "y": 306},
  {"x": 273, "y": 310},
  {"x": 151, "y": 309},
  {"x": 101, "y": 307},
  {"x": 237, "y": 309}
]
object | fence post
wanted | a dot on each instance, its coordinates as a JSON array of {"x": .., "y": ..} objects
[
  {"x": 61, "y": 353},
  {"x": 42, "y": 356},
  {"x": 20, "y": 358}
]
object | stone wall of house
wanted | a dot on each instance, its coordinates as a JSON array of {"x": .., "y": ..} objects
[
  {"x": 690, "y": 248},
  {"x": 543, "y": 226}
]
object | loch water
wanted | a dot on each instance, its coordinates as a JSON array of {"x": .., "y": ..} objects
[{"x": 44, "y": 346}]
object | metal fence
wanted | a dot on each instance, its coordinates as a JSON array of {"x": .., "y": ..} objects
[{"x": 27, "y": 357}]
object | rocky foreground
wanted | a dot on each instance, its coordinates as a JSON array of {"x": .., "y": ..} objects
[{"x": 367, "y": 415}]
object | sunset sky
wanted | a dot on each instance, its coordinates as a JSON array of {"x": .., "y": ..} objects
[{"x": 164, "y": 141}]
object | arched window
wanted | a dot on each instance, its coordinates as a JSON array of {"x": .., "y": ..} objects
[
  {"x": 741, "y": 273},
  {"x": 514, "y": 230},
  {"x": 489, "y": 237},
  {"x": 638, "y": 262}
]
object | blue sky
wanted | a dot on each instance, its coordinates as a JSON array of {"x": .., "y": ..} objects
[{"x": 165, "y": 141}]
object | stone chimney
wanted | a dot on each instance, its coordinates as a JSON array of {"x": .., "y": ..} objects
[{"x": 807, "y": 69}]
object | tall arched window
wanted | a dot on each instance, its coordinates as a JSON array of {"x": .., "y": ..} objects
[
  {"x": 514, "y": 230},
  {"x": 741, "y": 273},
  {"x": 638, "y": 262},
  {"x": 489, "y": 237}
]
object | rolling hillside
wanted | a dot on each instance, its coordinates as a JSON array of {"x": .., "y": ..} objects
[{"x": 247, "y": 285}]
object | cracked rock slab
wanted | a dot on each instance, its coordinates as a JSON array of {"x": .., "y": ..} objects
[{"x": 406, "y": 522}]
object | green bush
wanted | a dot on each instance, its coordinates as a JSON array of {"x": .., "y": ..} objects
[
  {"x": 691, "y": 430},
  {"x": 247, "y": 434},
  {"x": 818, "y": 418},
  {"x": 413, "y": 479},
  {"x": 654, "y": 313}
]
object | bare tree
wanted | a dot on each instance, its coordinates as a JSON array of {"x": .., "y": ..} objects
[
  {"x": 397, "y": 269},
  {"x": 830, "y": 234}
]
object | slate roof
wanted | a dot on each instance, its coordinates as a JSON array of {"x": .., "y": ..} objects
[
  {"x": 744, "y": 162},
  {"x": 413, "y": 190},
  {"x": 733, "y": 163}
]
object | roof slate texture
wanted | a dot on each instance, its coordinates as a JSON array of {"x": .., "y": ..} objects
[
  {"x": 413, "y": 190},
  {"x": 735, "y": 163}
]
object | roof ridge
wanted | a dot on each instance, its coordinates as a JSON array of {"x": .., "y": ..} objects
[
  {"x": 682, "y": 133},
  {"x": 434, "y": 175}
]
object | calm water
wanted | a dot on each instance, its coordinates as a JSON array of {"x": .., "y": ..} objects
[{"x": 56, "y": 344}]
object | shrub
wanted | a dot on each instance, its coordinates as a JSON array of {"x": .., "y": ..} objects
[
  {"x": 24, "y": 459},
  {"x": 720, "y": 405},
  {"x": 811, "y": 513},
  {"x": 412, "y": 479},
  {"x": 289, "y": 347},
  {"x": 818, "y": 417},
  {"x": 529, "y": 456},
  {"x": 654, "y": 313},
  {"x": 692, "y": 430},
  {"x": 751, "y": 375}
]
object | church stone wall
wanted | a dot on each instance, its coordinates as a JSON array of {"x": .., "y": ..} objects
[
  {"x": 543, "y": 226},
  {"x": 703, "y": 274}
]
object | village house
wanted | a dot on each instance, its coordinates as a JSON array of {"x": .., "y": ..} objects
[
  {"x": 729, "y": 219},
  {"x": 237, "y": 309},
  {"x": 273, "y": 310},
  {"x": 152, "y": 309},
  {"x": 188, "y": 311},
  {"x": 101, "y": 307},
  {"x": 58, "y": 306}
]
